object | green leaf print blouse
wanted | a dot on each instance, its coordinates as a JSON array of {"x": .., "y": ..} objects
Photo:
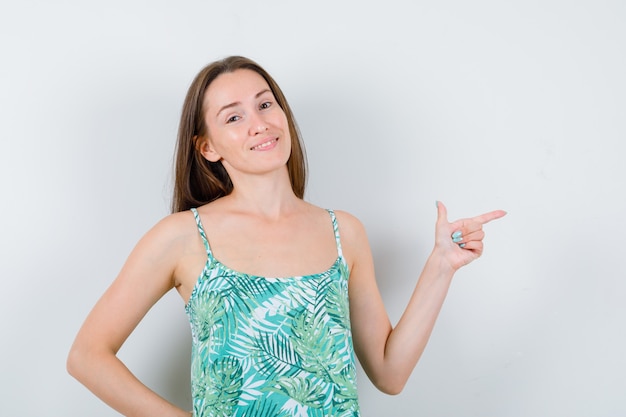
[{"x": 271, "y": 346}]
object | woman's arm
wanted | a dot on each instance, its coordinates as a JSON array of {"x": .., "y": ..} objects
[
  {"x": 145, "y": 277},
  {"x": 387, "y": 354}
]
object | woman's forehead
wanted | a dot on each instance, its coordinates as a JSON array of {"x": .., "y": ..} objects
[{"x": 234, "y": 87}]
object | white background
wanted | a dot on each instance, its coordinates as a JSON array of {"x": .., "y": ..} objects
[{"x": 518, "y": 105}]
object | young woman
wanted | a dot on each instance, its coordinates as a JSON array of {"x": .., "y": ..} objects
[{"x": 280, "y": 293}]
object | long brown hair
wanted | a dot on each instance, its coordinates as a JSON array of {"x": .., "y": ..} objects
[{"x": 198, "y": 181}]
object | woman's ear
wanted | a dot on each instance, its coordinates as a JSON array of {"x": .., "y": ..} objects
[{"x": 204, "y": 146}]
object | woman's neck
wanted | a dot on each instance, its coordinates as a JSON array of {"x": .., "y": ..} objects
[{"x": 269, "y": 196}]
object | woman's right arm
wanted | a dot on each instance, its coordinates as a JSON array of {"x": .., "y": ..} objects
[{"x": 145, "y": 277}]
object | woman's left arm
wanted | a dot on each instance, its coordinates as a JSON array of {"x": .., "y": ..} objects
[{"x": 389, "y": 354}]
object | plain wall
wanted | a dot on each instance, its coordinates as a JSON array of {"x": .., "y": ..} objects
[{"x": 483, "y": 105}]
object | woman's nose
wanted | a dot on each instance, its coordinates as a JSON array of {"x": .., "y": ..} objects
[
  {"x": 257, "y": 125},
  {"x": 261, "y": 128}
]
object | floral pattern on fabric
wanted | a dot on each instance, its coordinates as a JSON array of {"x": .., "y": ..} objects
[{"x": 271, "y": 346}]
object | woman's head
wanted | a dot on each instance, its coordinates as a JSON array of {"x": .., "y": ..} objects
[{"x": 199, "y": 181}]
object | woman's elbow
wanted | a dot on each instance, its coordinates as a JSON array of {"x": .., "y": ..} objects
[
  {"x": 80, "y": 360},
  {"x": 74, "y": 362},
  {"x": 390, "y": 387}
]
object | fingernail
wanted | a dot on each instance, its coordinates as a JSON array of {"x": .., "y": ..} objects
[
  {"x": 456, "y": 234},
  {"x": 462, "y": 245}
]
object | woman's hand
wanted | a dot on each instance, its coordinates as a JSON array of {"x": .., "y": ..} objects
[{"x": 460, "y": 242}]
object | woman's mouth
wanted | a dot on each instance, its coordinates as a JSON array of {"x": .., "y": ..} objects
[{"x": 264, "y": 145}]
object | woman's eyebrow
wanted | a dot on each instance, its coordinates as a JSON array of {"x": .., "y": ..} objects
[{"x": 236, "y": 103}]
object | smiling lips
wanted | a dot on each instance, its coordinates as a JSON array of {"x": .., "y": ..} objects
[{"x": 265, "y": 145}]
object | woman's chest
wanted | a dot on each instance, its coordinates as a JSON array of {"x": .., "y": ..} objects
[{"x": 274, "y": 251}]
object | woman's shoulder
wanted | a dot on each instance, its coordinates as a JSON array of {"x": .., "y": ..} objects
[
  {"x": 348, "y": 218},
  {"x": 172, "y": 228},
  {"x": 166, "y": 242},
  {"x": 350, "y": 227},
  {"x": 353, "y": 237},
  {"x": 174, "y": 221},
  {"x": 345, "y": 220}
]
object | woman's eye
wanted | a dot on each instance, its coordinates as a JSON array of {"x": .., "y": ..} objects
[
  {"x": 266, "y": 105},
  {"x": 232, "y": 119}
]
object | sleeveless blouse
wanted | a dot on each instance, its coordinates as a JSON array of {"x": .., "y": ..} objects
[{"x": 264, "y": 346}]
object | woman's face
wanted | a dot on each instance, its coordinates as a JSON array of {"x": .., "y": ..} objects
[{"x": 247, "y": 129}]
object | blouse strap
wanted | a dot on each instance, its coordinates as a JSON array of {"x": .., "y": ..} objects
[
  {"x": 336, "y": 230},
  {"x": 201, "y": 230}
]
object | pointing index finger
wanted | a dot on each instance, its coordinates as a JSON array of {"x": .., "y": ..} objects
[{"x": 487, "y": 217}]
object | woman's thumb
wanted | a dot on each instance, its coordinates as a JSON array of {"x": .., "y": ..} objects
[{"x": 442, "y": 212}]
